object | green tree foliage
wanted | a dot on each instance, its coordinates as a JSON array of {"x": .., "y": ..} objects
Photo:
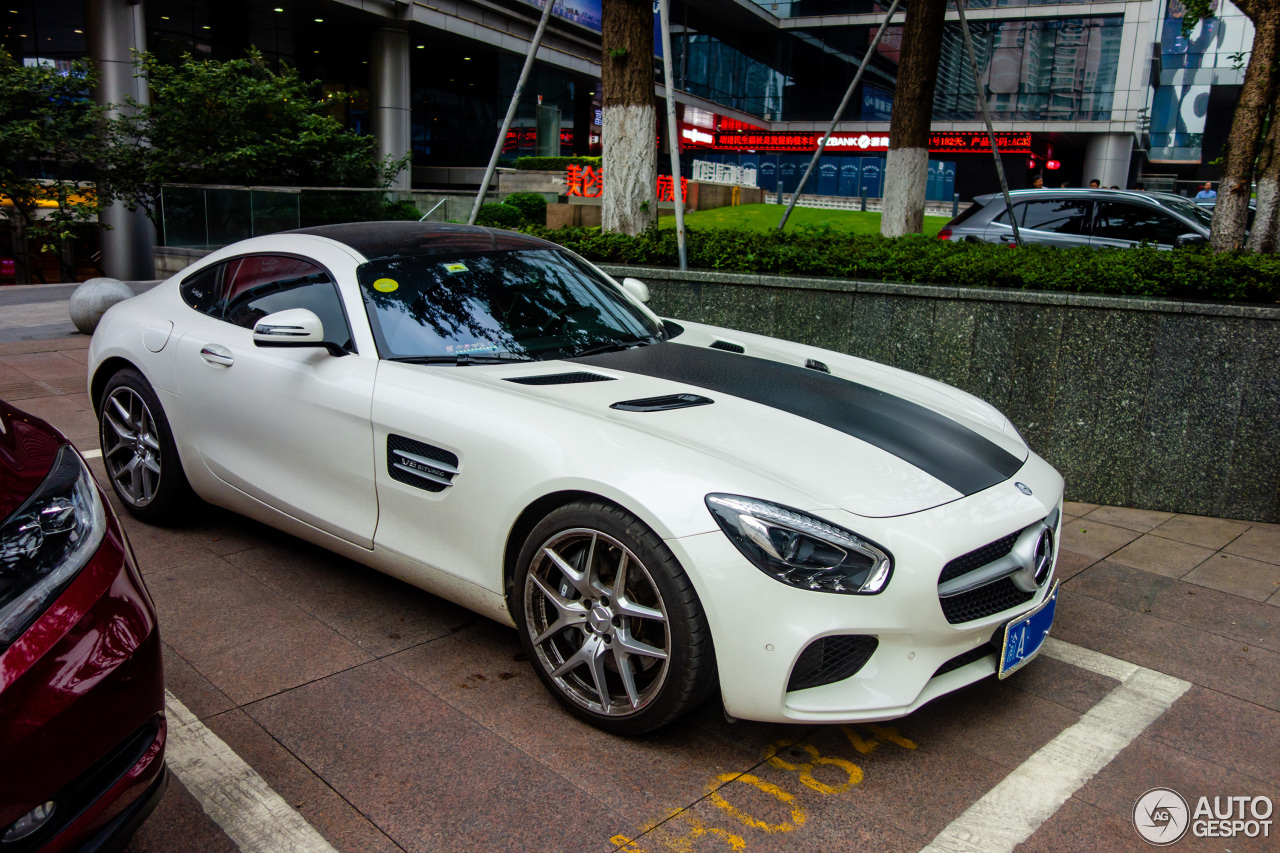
[
  {"x": 50, "y": 147},
  {"x": 532, "y": 205},
  {"x": 239, "y": 122}
]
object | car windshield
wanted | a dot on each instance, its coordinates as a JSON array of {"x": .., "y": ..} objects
[
  {"x": 519, "y": 305},
  {"x": 1191, "y": 210}
]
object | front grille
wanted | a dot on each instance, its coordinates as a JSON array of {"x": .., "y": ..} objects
[
  {"x": 984, "y": 601},
  {"x": 560, "y": 378},
  {"x": 977, "y": 653},
  {"x": 988, "y": 553},
  {"x": 831, "y": 659}
]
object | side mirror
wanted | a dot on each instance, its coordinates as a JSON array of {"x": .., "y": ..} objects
[
  {"x": 293, "y": 327},
  {"x": 636, "y": 288},
  {"x": 1188, "y": 240}
]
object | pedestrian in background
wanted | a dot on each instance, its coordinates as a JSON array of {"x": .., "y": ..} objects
[{"x": 1206, "y": 191}]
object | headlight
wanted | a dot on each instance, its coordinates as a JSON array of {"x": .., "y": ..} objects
[
  {"x": 799, "y": 549},
  {"x": 46, "y": 541}
]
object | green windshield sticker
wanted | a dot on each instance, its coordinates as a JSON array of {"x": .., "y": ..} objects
[
  {"x": 386, "y": 285},
  {"x": 455, "y": 267}
]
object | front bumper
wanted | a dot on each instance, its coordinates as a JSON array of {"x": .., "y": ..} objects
[{"x": 761, "y": 627}]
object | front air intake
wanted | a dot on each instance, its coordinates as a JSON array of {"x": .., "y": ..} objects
[{"x": 831, "y": 659}]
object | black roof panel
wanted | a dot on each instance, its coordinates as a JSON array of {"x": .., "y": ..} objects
[{"x": 401, "y": 239}]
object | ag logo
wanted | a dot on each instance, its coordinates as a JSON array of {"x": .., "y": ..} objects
[{"x": 1161, "y": 816}]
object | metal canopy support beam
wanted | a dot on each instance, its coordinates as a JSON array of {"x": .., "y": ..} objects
[
  {"x": 673, "y": 133},
  {"x": 986, "y": 117},
  {"x": 511, "y": 109},
  {"x": 844, "y": 104}
]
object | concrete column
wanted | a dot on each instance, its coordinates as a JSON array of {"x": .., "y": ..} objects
[
  {"x": 1106, "y": 157},
  {"x": 390, "y": 97},
  {"x": 115, "y": 28}
]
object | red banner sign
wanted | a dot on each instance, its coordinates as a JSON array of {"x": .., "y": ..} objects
[
  {"x": 588, "y": 182},
  {"x": 952, "y": 142}
]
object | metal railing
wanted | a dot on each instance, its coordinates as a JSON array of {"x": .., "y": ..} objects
[{"x": 200, "y": 217}]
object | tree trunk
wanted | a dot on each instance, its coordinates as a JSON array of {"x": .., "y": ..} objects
[
  {"x": 906, "y": 168},
  {"x": 1265, "y": 234},
  {"x": 629, "y": 131},
  {"x": 1230, "y": 214}
]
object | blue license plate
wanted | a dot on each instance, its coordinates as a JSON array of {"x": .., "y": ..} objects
[{"x": 1024, "y": 636}]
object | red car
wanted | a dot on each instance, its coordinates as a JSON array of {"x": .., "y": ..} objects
[{"x": 82, "y": 726}]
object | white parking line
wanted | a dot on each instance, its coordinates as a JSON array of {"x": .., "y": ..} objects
[
  {"x": 91, "y": 454},
  {"x": 1011, "y": 811},
  {"x": 252, "y": 815}
]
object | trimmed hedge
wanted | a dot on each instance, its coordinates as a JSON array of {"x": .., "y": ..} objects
[
  {"x": 554, "y": 164},
  {"x": 1193, "y": 272},
  {"x": 532, "y": 205},
  {"x": 500, "y": 216}
]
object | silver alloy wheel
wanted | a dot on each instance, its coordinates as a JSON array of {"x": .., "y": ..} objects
[
  {"x": 131, "y": 446},
  {"x": 597, "y": 621}
]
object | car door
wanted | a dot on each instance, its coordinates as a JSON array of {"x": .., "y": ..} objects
[
  {"x": 1055, "y": 222},
  {"x": 1120, "y": 224},
  {"x": 289, "y": 427}
]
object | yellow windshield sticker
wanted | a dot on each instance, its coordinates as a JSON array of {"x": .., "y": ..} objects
[
  {"x": 386, "y": 285},
  {"x": 455, "y": 267}
]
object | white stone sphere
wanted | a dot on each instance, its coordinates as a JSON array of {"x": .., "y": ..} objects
[{"x": 92, "y": 299}]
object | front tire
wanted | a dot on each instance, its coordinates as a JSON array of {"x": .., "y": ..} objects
[
  {"x": 138, "y": 450},
  {"x": 610, "y": 620}
]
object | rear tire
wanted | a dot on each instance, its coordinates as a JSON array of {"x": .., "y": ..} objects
[
  {"x": 138, "y": 451},
  {"x": 610, "y": 620}
]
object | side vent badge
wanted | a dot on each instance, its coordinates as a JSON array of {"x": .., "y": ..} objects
[
  {"x": 1024, "y": 488},
  {"x": 422, "y": 466}
]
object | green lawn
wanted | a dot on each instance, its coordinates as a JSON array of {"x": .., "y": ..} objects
[{"x": 764, "y": 217}]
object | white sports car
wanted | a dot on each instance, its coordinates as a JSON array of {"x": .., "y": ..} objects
[{"x": 661, "y": 509}]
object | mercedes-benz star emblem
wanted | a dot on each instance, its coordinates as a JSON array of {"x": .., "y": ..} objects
[
  {"x": 1043, "y": 560},
  {"x": 1024, "y": 488}
]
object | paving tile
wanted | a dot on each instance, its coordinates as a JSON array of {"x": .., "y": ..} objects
[
  {"x": 1200, "y": 530},
  {"x": 164, "y": 548},
  {"x": 1161, "y": 556},
  {"x": 1239, "y": 576},
  {"x": 1141, "y": 520},
  {"x": 80, "y": 355},
  {"x": 44, "y": 365},
  {"x": 1060, "y": 682},
  {"x": 1077, "y": 508},
  {"x": 1226, "y": 665},
  {"x": 1221, "y": 613},
  {"x": 332, "y": 816},
  {"x": 1225, "y": 731},
  {"x": 1261, "y": 542},
  {"x": 245, "y": 639},
  {"x": 1094, "y": 539},
  {"x": 425, "y": 774},
  {"x": 1150, "y": 763},
  {"x": 192, "y": 689},
  {"x": 47, "y": 345},
  {"x": 1078, "y": 827},
  {"x": 379, "y": 613},
  {"x": 476, "y": 672},
  {"x": 1071, "y": 563},
  {"x": 977, "y": 719},
  {"x": 179, "y": 822}
]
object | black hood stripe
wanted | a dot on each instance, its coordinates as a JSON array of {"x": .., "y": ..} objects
[{"x": 934, "y": 443}]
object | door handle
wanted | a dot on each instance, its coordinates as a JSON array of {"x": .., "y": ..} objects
[{"x": 215, "y": 354}]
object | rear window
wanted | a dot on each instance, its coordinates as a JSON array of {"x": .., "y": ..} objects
[{"x": 967, "y": 213}]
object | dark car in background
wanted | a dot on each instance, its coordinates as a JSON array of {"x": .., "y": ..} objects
[
  {"x": 82, "y": 727},
  {"x": 1097, "y": 218}
]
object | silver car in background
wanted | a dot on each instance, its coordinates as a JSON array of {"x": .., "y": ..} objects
[{"x": 1098, "y": 218}]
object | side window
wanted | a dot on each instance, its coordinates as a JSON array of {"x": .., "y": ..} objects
[
  {"x": 1063, "y": 216},
  {"x": 265, "y": 284},
  {"x": 1135, "y": 222},
  {"x": 203, "y": 290}
]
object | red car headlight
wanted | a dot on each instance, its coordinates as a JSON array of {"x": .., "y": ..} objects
[{"x": 46, "y": 541}]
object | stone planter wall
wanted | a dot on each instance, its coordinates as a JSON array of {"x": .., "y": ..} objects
[{"x": 1138, "y": 402}]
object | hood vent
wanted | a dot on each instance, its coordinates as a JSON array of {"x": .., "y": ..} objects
[
  {"x": 728, "y": 347},
  {"x": 560, "y": 378},
  {"x": 814, "y": 364},
  {"x": 662, "y": 404}
]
